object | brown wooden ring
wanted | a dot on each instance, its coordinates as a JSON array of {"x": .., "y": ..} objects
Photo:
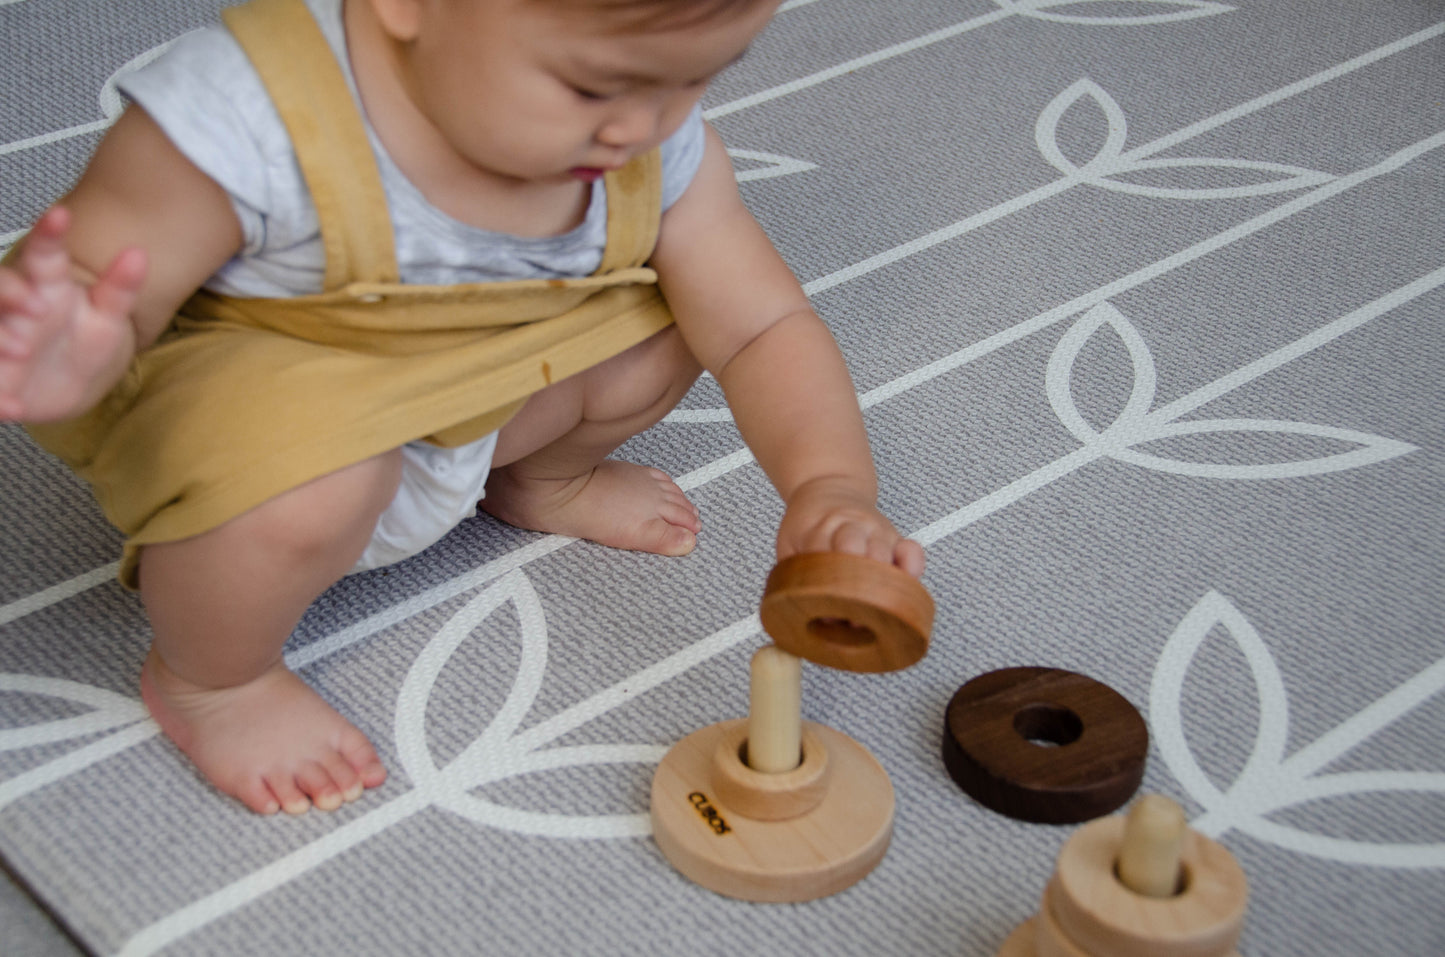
[
  {"x": 847, "y": 612},
  {"x": 1044, "y": 745}
]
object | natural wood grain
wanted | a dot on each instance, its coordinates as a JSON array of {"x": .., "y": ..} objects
[
  {"x": 775, "y": 711},
  {"x": 817, "y": 853},
  {"x": 1153, "y": 843},
  {"x": 1044, "y": 745},
  {"x": 768, "y": 796},
  {"x": 847, "y": 612},
  {"x": 1087, "y": 911},
  {"x": 1104, "y": 916}
]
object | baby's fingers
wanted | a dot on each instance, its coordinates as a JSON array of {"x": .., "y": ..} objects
[
  {"x": 862, "y": 538},
  {"x": 44, "y": 258},
  {"x": 908, "y": 555},
  {"x": 114, "y": 293},
  {"x": 882, "y": 544},
  {"x": 19, "y": 305}
]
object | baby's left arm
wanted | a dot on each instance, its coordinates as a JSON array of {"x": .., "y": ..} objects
[{"x": 748, "y": 321}]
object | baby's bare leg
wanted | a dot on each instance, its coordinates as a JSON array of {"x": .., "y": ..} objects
[
  {"x": 222, "y": 604},
  {"x": 551, "y": 472}
]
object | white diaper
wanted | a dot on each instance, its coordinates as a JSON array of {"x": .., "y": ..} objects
[{"x": 439, "y": 487}]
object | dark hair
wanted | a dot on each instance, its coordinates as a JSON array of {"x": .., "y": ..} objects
[{"x": 663, "y": 14}]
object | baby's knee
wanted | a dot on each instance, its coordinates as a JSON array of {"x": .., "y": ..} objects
[
  {"x": 337, "y": 511},
  {"x": 649, "y": 378}
]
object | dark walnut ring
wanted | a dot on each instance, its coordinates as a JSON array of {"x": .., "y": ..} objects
[
  {"x": 847, "y": 612},
  {"x": 1044, "y": 745}
]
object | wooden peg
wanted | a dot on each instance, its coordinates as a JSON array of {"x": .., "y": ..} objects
[
  {"x": 1088, "y": 910},
  {"x": 816, "y": 825},
  {"x": 775, "y": 711},
  {"x": 847, "y": 612},
  {"x": 1153, "y": 843}
]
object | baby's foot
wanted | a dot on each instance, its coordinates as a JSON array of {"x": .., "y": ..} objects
[
  {"x": 272, "y": 743},
  {"x": 617, "y": 504}
]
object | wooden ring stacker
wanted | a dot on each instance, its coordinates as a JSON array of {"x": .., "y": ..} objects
[
  {"x": 772, "y": 808},
  {"x": 847, "y": 612},
  {"x": 1091, "y": 908},
  {"x": 1044, "y": 745}
]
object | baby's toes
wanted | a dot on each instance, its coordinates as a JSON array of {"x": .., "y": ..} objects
[
  {"x": 292, "y": 799},
  {"x": 357, "y": 751},
  {"x": 673, "y": 540},
  {"x": 257, "y": 795},
  {"x": 315, "y": 781},
  {"x": 346, "y": 778},
  {"x": 679, "y": 514}
]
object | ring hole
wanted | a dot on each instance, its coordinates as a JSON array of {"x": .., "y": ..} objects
[
  {"x": 841, "y": 631},
  {"x": 743, "y": 755},
  {"x": 1181, "y": 884},
  {"x": 1048, "y": 726}
]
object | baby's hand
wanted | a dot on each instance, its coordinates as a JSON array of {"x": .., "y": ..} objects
[
  {"x": 61, "y": 343},
  {"x": 829, "y": 515}
]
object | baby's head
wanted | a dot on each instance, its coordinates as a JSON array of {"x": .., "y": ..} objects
[{"x": 547, "y": 89}]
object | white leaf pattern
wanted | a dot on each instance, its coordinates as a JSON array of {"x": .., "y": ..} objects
[
  {"x": 1112, "y": 161},
  {"x": 1046, "y": 129},
  {"x": 108, "y": 711},
  {"x": 1270, "y": 781},
  {"x": 772, "y": 166},
  {"x": 1138, "y": 423},
  {"x": 1290, "y": 178},
  {"x": 500, "y": 751},
  {"x": 1181, "y": 10}
]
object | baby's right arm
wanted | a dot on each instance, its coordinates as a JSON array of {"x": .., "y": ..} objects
[{"x": 150, "y": 228}]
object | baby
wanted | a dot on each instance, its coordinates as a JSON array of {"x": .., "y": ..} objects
[{"x": 349, "y": 266}]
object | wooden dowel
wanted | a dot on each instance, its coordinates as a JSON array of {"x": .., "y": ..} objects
[
  {"x": 775, "y": 711},
  {"x": 1152, "y": 846}
]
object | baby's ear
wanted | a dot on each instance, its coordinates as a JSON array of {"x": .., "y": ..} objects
[{"x": 401, "y": 19}]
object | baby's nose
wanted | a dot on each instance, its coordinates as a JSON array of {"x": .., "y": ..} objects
[{"x": 630, "y": 126}]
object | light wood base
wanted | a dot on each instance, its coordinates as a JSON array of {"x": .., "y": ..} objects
[
  {"x": 1021, "y": 943},
  {"x": 1087, "y": 911},
  {"x": 1024, "y": 942},
  {"x": 838, "y": 838}
]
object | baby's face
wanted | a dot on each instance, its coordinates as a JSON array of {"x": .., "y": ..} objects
[{"x": 534, "y": 90}]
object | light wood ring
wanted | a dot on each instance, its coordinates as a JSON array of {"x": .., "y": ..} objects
[
  {"x": 847, "y": 612},
  {"x": 768, "y": 797},
  {"x": 1044, "y": 745},
  {"x": 1090, "y": 906}
]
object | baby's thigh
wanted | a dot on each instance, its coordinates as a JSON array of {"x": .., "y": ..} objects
[
  {"x": 333, "y": 512},
  {"x": 614, "y": 399},
  {"x": 280, "y": 554},
  {"x": 656, "y": 371}
]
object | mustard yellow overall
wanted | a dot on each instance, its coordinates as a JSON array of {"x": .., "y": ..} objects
[{"x": 243, "y": 399}]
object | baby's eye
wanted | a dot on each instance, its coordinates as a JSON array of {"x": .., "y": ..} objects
[{"x": 590, "y": 94}]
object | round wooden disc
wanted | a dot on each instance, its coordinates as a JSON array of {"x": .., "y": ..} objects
[
  {"x": 847, "y": 612},
  {"x": 818, "y": 853},
  {"x": 1044, "y": 745},
  {"x": 1092, "y": 908},
  {"x": 1021, "y": 943}
]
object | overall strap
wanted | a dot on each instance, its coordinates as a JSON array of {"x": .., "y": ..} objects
[
  {"x": 634, "y": 212},
  {"x": 300, "y": 71}
]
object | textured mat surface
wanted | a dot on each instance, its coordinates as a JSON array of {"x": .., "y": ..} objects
[{"x": 1143, "y": 299}]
